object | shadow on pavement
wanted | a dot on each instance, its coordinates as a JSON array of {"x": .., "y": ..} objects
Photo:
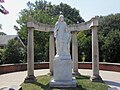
[{"x": 112, "y": 83}]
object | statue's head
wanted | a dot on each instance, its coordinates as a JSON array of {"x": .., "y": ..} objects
[{"x": 61, "y": 18}]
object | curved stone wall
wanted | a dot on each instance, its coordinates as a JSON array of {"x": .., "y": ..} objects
[{"x": 7, "y": 68}]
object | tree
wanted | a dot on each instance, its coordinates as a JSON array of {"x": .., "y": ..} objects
[
  {"x": 109, "y": 33},
  {"x": 13, "y": 53},
  {"x": 108, "y": 23},
  {"x": 1, "y": 54},
  {"x": 111, "y": 47},
  {"x": 44, "y": 12},
  {"x": 109, "y": 40},
  {"x": 84, "y": 46}
]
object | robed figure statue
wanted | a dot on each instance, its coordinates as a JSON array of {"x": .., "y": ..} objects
[{"x": 62, "y": 36}]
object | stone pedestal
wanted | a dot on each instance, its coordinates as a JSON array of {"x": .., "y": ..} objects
[
  {"x": 62, "y": 75},
  {"x": 63, "y": 84}
]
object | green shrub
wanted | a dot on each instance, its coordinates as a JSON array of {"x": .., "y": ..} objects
[{"x": 1, "y": 55}]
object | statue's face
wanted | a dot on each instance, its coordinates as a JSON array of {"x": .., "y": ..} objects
[{"x": 62, "y": 19}]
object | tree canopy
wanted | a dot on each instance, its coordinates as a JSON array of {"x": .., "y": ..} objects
[
  {"x": 13, "y": 53},
  {"x": 109, "y": 40}
]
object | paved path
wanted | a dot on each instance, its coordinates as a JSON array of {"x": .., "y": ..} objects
[{"x": 16, "y": 78}]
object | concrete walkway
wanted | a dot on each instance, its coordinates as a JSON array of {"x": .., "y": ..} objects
[{"x": 16, "y": 78}]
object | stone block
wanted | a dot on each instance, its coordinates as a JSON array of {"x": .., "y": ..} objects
[
  {"x": 62, "y": 70},
  {"x": 63, "y": 83},
  {"x": 62, "y": 74}
]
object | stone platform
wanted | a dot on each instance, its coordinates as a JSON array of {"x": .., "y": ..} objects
[
  {"x": 63, "y": 83},
  {"x": 62, "y": 74}
]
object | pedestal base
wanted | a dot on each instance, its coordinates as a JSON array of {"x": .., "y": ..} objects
[
  {"x": 96, "y": 78},
  {"x": 62, "y": 70},
  {"x": 30, "y": 79},
  {"x": 63, "y": 83},
  {"x": 62, "y": 74}
]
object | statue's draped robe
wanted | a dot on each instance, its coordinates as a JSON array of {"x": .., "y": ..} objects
[{"x": 62, "y": 35}]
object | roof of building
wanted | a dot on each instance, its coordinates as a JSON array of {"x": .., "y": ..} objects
[
  {"x": 5, "y": 38},
  {"x": 2, "y": 33}
]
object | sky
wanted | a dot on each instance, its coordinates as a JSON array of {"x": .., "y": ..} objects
[{"x": 87, "y": 8}]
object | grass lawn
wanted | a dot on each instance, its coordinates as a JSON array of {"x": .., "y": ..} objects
[{"x": 83, "y": 83}]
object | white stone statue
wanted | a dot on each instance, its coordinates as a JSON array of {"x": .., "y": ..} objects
[
  {"x": 62, "y": 36},
  {"x": 62, "y": 63}
]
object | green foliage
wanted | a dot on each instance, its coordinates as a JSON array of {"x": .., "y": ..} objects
[
  {"x": 71, "y": 14},
  {"x": 111, "y": 47},
  {"x": 41, "y": 46},
  {"x": 1, "y": 54},
  {"x": 109, "y": 40},
  {"x": 108, "y": 23},
  {"x": 13, "y": 52},
  {"x": 44, "y": 12},
  {"x": 84, "y": 46},
  {"x": 83, "y": 83}
]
